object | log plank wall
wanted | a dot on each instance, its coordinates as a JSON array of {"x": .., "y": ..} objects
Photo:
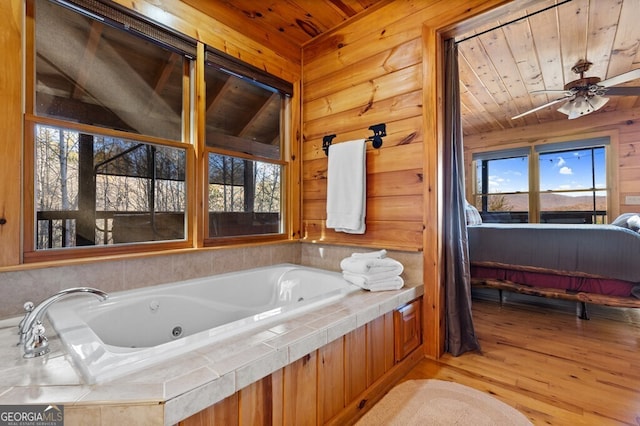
[
  {"x": 11, "y": 133},
  {"x": 383, "y": 67}
]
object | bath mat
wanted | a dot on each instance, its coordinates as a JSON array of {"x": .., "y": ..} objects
[{"x": 438, "y": 402}]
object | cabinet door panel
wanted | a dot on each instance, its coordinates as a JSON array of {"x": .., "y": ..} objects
[{"x": 408, "y": 328}]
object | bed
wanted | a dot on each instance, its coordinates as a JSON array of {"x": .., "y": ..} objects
[{"x": 586, "y": 263}]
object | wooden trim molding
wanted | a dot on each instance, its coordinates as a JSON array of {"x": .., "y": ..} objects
[{"x": 11, "y": 141}]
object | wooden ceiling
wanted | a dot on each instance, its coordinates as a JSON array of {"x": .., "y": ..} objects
[
  {"x": 286, "y": 25},
  {"x": 500, "y": 69}
]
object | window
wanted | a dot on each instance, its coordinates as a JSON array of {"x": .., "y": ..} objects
[
  {"x": 573, "y": 185},
  {"x": 109, "y": 125},
  {"x": 550, "y": 183},
  {"x": 99, "y": 190},
  {"x": 106, "y": 128},
  {"x": 93, "y": 73},
  {"x": 244, "y": 196},
  {"x": 244, "y": 145},
  {"x": 502, "y": 189}
]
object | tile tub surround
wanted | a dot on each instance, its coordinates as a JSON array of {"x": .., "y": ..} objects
[
  {"x": 29, "y": 283},
  {"x": 184, "y": 385}
]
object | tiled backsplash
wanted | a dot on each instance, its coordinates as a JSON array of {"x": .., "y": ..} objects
[{"x": 17, "y": 287}]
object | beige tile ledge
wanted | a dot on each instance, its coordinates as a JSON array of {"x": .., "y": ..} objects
[{"x": 184, "y": 385}]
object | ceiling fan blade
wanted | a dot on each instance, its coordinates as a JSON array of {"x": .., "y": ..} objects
[
  {"x": 623, "y": 91},
  {"x": 619, "y": 79},
  {"x": 542, "y": 107}
]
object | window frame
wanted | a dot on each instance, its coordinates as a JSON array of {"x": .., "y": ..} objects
[
  {"x": 31, "y": 120},
  {"x": 224, "y": 63},
  {"x": 608, "y": 139},
  {"x": 503, "y": 154},
  {"x": 193, "y": 142}
]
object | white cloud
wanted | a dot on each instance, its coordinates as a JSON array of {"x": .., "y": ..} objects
[
  {"x": 566, "y": 171},
  {"x": 561, "y": 162},
  {"x": 495, "y": 183}
]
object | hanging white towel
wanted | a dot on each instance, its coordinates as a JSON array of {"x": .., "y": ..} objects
[{"x": 347, "y": 187}]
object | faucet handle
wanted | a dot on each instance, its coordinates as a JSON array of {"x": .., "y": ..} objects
[
  {"x": 28, "y": 307},
  {"x": 38, "y": 329},
  {"x": 37, "y": 343}
]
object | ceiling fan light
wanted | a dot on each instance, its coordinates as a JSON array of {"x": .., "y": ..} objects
[
  {"x": 598, "y": 102},
  {"x": 582, "y": 105},
  {"x": 566, "y": 108},
  {"x": 575, "y": 108},
  {"x": 577, "y": 113}
]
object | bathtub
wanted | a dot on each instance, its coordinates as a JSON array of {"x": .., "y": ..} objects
[{"x": 136, "y": 329}]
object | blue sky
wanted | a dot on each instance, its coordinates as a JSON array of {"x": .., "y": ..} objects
[{"x": 569, "y": 170}]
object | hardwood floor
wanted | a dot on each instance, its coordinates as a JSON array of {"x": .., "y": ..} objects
[{"x": 538, "y": 357}]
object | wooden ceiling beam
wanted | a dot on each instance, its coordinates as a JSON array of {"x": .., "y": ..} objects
[
  {"x": 258, "y": 115},
  {"x": 163, "y": 75},
  {"x": 217, "y": 98},
  {"x": 88, "y": 56}
]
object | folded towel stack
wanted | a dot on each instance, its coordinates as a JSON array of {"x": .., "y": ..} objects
[{"x": 373, "y": 271}]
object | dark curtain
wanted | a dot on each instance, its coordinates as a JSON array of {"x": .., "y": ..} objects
[{"x": 461, "y": 336}]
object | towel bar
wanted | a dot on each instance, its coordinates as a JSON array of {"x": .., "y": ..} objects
[{"x": 379, "y": 131}]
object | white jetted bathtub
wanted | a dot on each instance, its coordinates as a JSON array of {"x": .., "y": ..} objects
[{"x": 137, "y": 328}]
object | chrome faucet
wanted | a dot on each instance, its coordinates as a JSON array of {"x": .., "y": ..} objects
[{"x": 32, "y": 337}]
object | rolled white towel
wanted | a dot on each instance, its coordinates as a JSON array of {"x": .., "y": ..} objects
[
  {"x": 380, "y": 254},
  {"x": 365, "y": 282},
  {"x": 372, "y": 266}
]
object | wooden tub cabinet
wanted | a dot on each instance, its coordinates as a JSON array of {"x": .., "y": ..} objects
[{"x": 334, "y": 385}]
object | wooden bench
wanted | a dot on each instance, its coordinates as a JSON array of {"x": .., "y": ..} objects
[{"x": 580, "y": 297}]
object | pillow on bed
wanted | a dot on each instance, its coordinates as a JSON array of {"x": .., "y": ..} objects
[
  {"x": 634, "y": 223},
  {"x": 473, "y": 215},
  {"x": 628, "y": 220}
]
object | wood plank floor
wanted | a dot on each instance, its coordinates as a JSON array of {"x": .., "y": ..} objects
[{"x": 538, "y": 357}]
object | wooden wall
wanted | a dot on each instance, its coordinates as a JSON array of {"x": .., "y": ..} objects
[
  {"x": 366, "y": 72},
  {"x": 10, "y": 131},
  {"x": 383, "y": 67},
  {"x": 622, "y": 127}
]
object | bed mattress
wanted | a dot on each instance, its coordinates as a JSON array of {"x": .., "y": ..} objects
[{"x": 605, "y": 251}]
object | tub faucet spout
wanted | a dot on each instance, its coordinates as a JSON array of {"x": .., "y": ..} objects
[{"x": 32, "y": 337}]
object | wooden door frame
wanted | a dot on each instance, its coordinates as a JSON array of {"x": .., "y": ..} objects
[{"x": 460, "y": 18}]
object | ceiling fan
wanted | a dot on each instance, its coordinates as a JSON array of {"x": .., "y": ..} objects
[{"x": 586, "y": 94}]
